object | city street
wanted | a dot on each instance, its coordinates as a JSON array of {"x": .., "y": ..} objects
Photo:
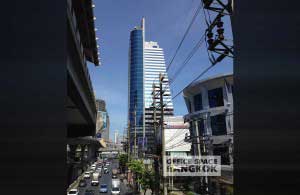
[{"x": 105, "y": 179}]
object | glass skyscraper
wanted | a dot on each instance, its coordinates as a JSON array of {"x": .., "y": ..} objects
[{"x": 146, "y": 62}]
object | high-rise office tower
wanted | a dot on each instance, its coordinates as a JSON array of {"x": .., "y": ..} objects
[{"x": 146, "y": 62}]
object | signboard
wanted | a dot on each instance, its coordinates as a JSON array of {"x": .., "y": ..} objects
[
  {"x": 103, "y": 115},
  {"x": 103, "y": 120},
  {"x": 192, "y": 166}
]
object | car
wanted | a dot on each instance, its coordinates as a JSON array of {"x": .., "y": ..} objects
[
  {"x": 73, "y": 192},
  {"x": 106, "y": 171},
  {"x": 89, "y": 192},
  {"x": 82, "y": 183},
  {"x": 103, "y": 188},
  {"x": 94, "y": 183},
  {"x": 114, "y": 176},
  {"x": 115, "y": 190},
  {"x": 99, "y": 171},
  {"x": 93, "y": 167},
  {"x": 115, "y": 182},
  {"x": 95, "y": 179},
  {"x": 107, "y": 164},
  {"x": 87, "y": 175}
]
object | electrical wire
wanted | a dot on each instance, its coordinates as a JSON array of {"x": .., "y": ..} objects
[
  {"x": 191, "y": 54},
  {"x": 183, "y": 142},
  {"x": 184, "y": 36},
  {"x": 199, "y": 76},
  {"x": 178, "y": 132}
]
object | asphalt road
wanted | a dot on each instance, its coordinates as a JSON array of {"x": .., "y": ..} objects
[{"x": 106, "y": 179}]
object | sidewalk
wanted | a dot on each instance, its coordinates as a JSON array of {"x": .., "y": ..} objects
[
  {"x": 148, "y": 192},
  {"x": 76, "y": 182},
  {"x": 127, "y": 188}
]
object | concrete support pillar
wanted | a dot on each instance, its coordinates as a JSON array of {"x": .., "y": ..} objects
[
  {"x": 89, "y": 152},
  {"x": 72, "y": 151},
  {"x": 82, "y": 146}
]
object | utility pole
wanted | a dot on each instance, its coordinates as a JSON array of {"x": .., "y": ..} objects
[
  {"x": 218, "y": 46},
  {"x": 156, "y": 165},
  {"x": 200, "y": 142},
  {"x": 161, "y": 92}
]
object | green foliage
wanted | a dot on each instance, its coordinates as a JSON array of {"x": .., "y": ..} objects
[
  {"x": 230, "y": 190},
  {"x": 136, "y": 166},
  {"x": 123, "y": 160},
  {"x": 189, "y": 193},
  {"x": 186, "y": 185},
  {"x": 145, "y": 177},
  {"x": 148, "y": 180}
]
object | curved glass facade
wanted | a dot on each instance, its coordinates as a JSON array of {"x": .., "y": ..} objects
[
  {"x": 146, "y": 62},
  {"x": 136, "y": 89}
]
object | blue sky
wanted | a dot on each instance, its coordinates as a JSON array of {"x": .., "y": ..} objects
[{"x": 166, "y": 22}]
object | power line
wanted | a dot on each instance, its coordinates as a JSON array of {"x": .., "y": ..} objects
[
  {"x": 183, "y": 142},
  {"x": 184, "y": 36},
  {"x": 178, "y": 145},
  {"x": 200, "y": 75},
  {"x": 178, "y": 132},
  {"x": 191, "y": 54}
]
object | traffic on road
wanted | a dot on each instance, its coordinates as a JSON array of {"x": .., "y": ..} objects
[{"x": 101, "y": 178}]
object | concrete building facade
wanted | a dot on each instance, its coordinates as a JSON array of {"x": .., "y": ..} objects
[{"x": 210, "y": 106}]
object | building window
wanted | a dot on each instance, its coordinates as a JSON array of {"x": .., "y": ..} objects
[
  {"x": 189, "y": 105},
  {"x": 201, "y": 127},
  {"x": 198, "y": 102},
  {"x": 191, "y": 129},
  {"x": 218, "y": 125},
  {"x": 224, "y": 153},
  {"x": 215, "y": 97}
]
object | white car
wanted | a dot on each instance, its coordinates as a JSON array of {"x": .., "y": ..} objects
[
  {"x": 87, "y": 175},
  {"x": 95, "y": 179},
  {"x": 73, "y": 192},
  {"x": 115, "y": 190},
  {"x": 94, "y": 183},
  {"x": 93, "y": 167}
]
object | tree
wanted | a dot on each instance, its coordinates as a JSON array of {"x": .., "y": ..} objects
[
  {"x": 137, "y": 167},
  {"x": 148, "y": 181},
  {"x": 123, "y": 160},
  {"x": 189, "y": 193},
  {"x": 145, "y": 177}
]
